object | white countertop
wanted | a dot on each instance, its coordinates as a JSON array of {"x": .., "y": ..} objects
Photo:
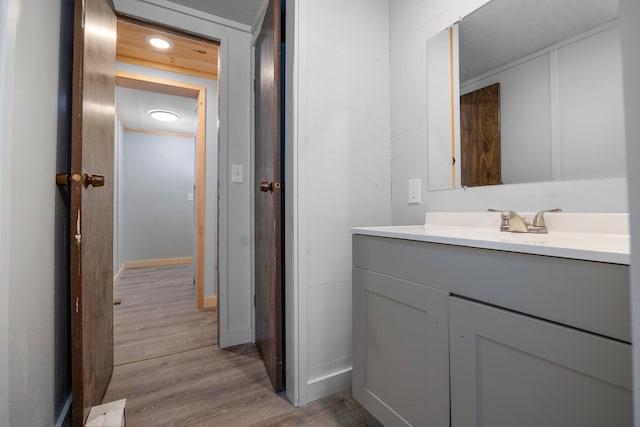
[{"x": 592, "y": 237}]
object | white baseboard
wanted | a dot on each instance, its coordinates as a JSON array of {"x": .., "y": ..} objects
[{"x": 329, "y": 384}]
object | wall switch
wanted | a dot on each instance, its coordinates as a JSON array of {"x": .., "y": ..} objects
[
  {"x": 415, "y": 194},
  {"x": 237, "y": 174},
  {"x": 190, "y": 197}
]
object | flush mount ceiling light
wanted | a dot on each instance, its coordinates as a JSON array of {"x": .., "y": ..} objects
[
  {"x": 164, "y": 115},
  {"x": 159, "y": 42}
]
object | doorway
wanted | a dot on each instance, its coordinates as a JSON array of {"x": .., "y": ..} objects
[{"x": 185, "y": 70}]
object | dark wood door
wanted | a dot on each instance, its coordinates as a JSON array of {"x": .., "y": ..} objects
[
  {"x": 92, "y": 204},
  {"x": 480, "y": 137},
  {"x": 268, "y": 198}
]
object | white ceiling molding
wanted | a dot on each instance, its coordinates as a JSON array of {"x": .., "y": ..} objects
[
  {"x": 141, "y": 8},
  {"x": 244, "y": 11}
]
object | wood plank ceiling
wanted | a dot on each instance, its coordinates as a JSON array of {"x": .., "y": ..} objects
[{"x": 191, "y": 56}]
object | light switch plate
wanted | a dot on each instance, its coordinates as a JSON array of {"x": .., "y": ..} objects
[
  {"x": 415, "y": 191},
  {"x": 237, "y": 174},
  {"x": 190, "y": 196}
]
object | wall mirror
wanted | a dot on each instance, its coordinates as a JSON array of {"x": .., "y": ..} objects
[{"x": 526, "y": 91}]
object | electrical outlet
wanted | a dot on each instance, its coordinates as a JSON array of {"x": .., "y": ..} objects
[
  {"x": 237, "y": 174},
  {"x": 414, "y": 191}
]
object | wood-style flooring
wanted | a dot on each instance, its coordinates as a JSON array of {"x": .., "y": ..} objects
[{"x": 172, "y": 373}]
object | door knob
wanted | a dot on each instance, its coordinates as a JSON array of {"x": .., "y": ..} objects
[
  {"x": 266, "y": 186},
  {"x": 66, "y": 179},
  {"x": 93, "y": 180},
  {"x": 269, "y": 186}
]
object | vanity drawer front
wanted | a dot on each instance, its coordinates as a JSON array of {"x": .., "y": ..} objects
[
  {"x": 508, "y": 369},
  {"x": 586, "y": 295}
]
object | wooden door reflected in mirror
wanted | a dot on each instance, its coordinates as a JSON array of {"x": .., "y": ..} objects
[{"x": 480, "y": 137}]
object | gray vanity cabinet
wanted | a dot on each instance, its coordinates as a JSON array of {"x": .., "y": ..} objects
[
  {"x": 518, "y": 339},
  {"x": 401, "y": 350},
  {"x": 509, "y": 369}
]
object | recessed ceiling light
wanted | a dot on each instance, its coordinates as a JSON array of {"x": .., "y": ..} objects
[
  {"x": 159, "y": 42},
  {"x": 164, "y": 115}
]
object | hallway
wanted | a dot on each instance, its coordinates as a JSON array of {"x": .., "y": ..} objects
[{"x": 170, "y": 370}]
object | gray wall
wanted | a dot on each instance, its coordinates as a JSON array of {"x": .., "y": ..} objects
[
  {"x": 32, "y": 110},
  {"x": 62, "y": 260},
  {"x": 157, "y": 218},
  {"x": 630, "y": 10}
]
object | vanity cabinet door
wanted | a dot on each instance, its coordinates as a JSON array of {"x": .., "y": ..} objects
[
  {"x": 401, "y": 350},
  {"x": 508, "y": 369}
]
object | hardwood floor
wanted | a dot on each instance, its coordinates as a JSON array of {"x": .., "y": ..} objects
[
  {"x": 157, "y": 315},
  {"x": 172, "y": 373}
]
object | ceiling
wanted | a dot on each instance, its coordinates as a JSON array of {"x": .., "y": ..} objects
[
  {"x": 244, "y": 11},
  {"x": 504, "y": 30},
  {"x": 133, "y": 106},
  {"x": 188, "y": 56}
]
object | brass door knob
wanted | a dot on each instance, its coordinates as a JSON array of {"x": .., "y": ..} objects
[
  {"x": 65, "y": 179},
  {"x": 266, "y": 186},
  {"x": 93, "y": 180}
]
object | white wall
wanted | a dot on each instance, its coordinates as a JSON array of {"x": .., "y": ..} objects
[
  {"x": 211, "y": 165},
  {"x": 338, "y": 176},
  {"x": 630, "y": 31},
  {"x": 413, "y": 22},
  {"x": 157, "y": 217},
  {"x": 7, "y": 54},
  {"x": 29, "y": 38},
  {"x": 236, "y": 291},
  {"x": 235, "y": 294}
]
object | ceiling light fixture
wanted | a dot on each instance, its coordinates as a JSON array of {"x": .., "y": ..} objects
[
  {"x": 159, "y": 42},
  {"x": 164, "y": 115}
]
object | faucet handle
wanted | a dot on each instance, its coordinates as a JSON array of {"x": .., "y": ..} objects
[
  {"x": 538, "y": 220},
  {"x": 504, "y": 217},
  {"x": 502, "y": 211},
  {"x": 505, "y": 213}
]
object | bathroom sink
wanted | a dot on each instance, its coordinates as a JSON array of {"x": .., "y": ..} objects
[{"x": 587, "y": 236}]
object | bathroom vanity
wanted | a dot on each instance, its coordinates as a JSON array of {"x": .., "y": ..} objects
[{"x": 456, "y": 323}]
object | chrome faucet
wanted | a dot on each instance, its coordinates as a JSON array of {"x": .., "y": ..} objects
[{"x": 512, "y": 222}]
